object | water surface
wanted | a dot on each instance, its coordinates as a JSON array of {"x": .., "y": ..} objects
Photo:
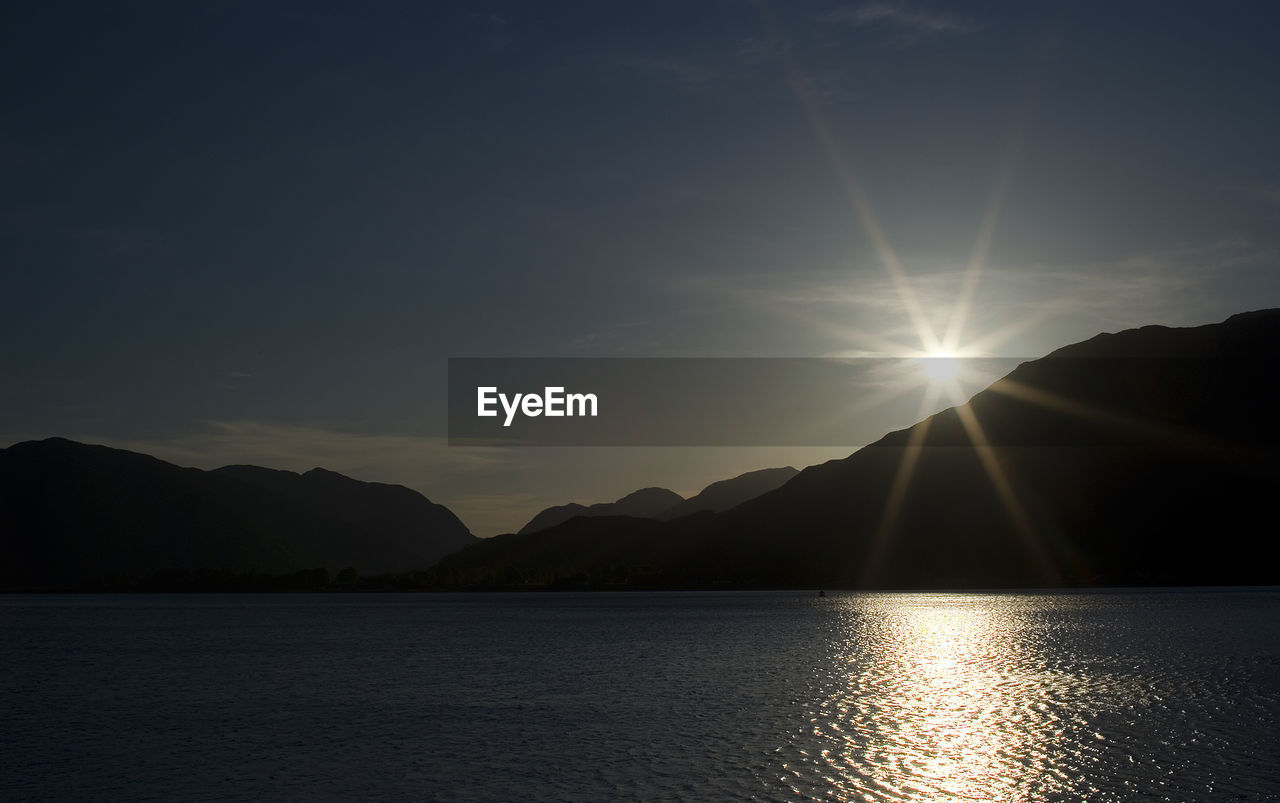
[{"x": 1162, "y": 695}]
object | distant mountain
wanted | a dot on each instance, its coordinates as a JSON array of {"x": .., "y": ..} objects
[
  {"x": 659, "y": 503},
  {"x": 1150, "y": 456},
  {"x": 390, "y": 528},
  {"x": 69, "y": 511},
  {"x": 646, "y": 503},
  {"x": 730, "y": 493}
]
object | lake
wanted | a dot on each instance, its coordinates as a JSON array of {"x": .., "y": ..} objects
[{"x": 1161, "y": 695}]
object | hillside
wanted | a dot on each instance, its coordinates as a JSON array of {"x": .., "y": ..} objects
[
  {"x": 1142, "y": 457},
  {"x": 70, "y": 512}
]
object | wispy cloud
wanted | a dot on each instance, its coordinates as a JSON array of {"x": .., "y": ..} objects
[
  {"x": 1020, "y": 310},
  {"x": 761, "y": 50},
  {"x": 668, "y": 67},
  {"x": 901, "y": 17},
  {"x": 1264, "y": 193},
  {"x": 706, "y": 63},
  {"x": 119, "y": 242}
]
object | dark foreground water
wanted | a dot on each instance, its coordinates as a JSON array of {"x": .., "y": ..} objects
[{"x": 1171, "y": 695}]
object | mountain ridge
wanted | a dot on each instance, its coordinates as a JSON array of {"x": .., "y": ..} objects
[
  {"x": 72, "y": 511},
  {"x": 1146, "y": 463},
  {"x": 645, "y": 503},
  {"x": 661, "y": 504},
  {"x": 1141, "y": 457}
]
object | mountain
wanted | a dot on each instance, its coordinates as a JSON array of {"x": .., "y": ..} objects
[
  {"x": 70, "y": 512},
  {"x": 389, "y": 528},
  {"x": 730, "y": 493},
  {"x": 1149, "y": 456},
  {"x": 646, "y": 503},
  {"x": 659, "y": 503}
]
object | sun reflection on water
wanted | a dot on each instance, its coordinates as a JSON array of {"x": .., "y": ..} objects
[{"x": 941, "y": 698}]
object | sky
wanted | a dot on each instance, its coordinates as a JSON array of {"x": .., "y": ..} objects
[{"x": 256, "y": 232}]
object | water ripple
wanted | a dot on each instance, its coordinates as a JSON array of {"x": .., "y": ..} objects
[
  {"x": 1005, "y": 697},
  {"x": 766, "y": 696}
]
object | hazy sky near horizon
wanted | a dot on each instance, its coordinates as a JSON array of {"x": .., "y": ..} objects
[{"x": 255, "y": 232}]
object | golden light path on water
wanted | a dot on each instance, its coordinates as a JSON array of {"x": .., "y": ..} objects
[{"x": 944, "y": 697}]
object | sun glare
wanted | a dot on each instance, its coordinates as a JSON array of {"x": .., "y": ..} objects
[{"x": 940, "y": 366}]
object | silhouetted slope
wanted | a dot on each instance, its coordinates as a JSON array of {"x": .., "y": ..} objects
[
  {"x": 387, "y": 527},
  {"x": 646, "y": 503},
  {"x": 732, "y": 492},
  {"x": 69, "y": 511},
  {"x": 1147, "y": 456},
  {"x": 659, "y": 503}
]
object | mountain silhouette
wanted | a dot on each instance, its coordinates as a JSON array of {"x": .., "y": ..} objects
[
  {"x": 1144, "y": 457},
  {"x": 730, "y": 493},
  {"x": 659, "y": 503},
  {"x": 646, "y": 503},
  {"x": 70, "y": 512},
  {"x": 378, "y": 527}
]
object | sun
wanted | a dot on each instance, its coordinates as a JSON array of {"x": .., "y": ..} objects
[{"x": 940, "y": 365}]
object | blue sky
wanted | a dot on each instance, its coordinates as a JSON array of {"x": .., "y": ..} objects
[{"x": 256, "y": 231}]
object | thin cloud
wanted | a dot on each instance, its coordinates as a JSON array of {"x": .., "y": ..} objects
[
  {"x": 901, "y": 17},
  {"x": 753, "y": 50},
  {"x": 1024, "y": 310},
  {"x": 751, "y": 60},
  {"x": 120, "y": 242},
  {"x": 675, "y": 69}
]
